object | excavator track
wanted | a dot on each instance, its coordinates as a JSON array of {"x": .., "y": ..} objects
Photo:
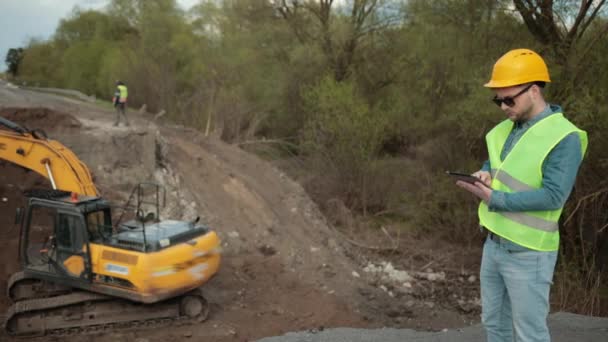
[
  {"x": 82, "y": 312},
  {"x": 20, "y": 287}
]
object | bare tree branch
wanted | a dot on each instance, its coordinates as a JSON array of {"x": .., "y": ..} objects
[
  {"x": 542, "y": 22},
  {"x": 591, "y": 18},
  {"x": 340, "y": 51}
]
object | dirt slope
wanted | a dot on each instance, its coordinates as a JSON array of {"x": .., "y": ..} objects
[{"x": 284, "y": 269}]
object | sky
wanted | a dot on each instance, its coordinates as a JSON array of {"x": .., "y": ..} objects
[{"x": 21, "y": 20}]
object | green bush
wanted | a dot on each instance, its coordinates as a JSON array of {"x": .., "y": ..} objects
[{"x": 344, "y": 136}]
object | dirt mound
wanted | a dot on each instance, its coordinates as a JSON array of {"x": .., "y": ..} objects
[{"x": 39, "y": 118}]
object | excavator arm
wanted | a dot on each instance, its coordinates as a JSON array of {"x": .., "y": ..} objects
[{"x": 49, "y": 158}]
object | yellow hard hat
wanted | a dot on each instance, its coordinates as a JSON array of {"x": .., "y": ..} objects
[{"x": 517, "y": 67}]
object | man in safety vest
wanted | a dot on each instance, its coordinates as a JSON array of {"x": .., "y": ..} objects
[
  {"x": 120, "y": 102},
  {"x": 534, "y": 157}
]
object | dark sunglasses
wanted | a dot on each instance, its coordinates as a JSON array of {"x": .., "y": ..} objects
[{"x": 510, "y": 100}]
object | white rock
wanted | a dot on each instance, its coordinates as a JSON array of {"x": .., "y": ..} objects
[
  {"x": 371, "y": 268},
  {"x": 356, "y": 275},
  {"x": 435, "y": 276},
  {"x": 400, "y": 276},
  {"x": 388, "y": 267}
]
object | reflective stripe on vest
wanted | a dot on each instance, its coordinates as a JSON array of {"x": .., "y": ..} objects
[{"x": 522, "y": 171}]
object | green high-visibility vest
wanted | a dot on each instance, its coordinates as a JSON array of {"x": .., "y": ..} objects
[
  {"x": 522, "y": 171},
  {"x": 123, "y": 93}
]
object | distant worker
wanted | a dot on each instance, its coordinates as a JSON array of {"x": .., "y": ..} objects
[
  {"x": 534, "y": 157},
  {"x": 120, "y": 102}
]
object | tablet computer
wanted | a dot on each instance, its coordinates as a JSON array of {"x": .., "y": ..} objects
[{"x": 465, "y": 177}]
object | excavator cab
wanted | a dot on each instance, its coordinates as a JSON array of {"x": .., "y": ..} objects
[{"x": 56, "y": 232}]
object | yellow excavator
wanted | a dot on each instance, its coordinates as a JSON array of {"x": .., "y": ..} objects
[{"x": 82, "y": 273}]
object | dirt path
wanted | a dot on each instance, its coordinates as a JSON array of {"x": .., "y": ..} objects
[{"x": 284, "y": 269}]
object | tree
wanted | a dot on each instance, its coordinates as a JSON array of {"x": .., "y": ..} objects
[
  {"x": 560, "y": 24},
  {"x": 13, "y": 58},
  {"x": 565, "y": 28},
  {"x": 40, "y": 64},
  {"x": 345, "y": 135},
  {"x": 249, "y": 68},
  {"x": 84, "y": 26},
  {"x": 339, "y": 29}
]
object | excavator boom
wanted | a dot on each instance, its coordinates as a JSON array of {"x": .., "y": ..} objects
[{"x": 47, "y": 157}]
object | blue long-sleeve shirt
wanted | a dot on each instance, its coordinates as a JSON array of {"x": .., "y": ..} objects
[{"x": 559, "y": 171}]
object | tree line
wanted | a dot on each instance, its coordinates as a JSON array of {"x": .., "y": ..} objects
[{"x": 373, "y": 99}]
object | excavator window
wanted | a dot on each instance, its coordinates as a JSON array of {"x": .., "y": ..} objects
[
  {"x": 69, "y": 234},
  {"x": 53, "y": 237},
  {"x": 71, "y": 250},
  {"x": 40, "y": 233},
  {"x": 99, "y": 225}
]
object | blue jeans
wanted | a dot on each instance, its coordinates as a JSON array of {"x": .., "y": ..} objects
[{"x": 515, "y": 283}]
